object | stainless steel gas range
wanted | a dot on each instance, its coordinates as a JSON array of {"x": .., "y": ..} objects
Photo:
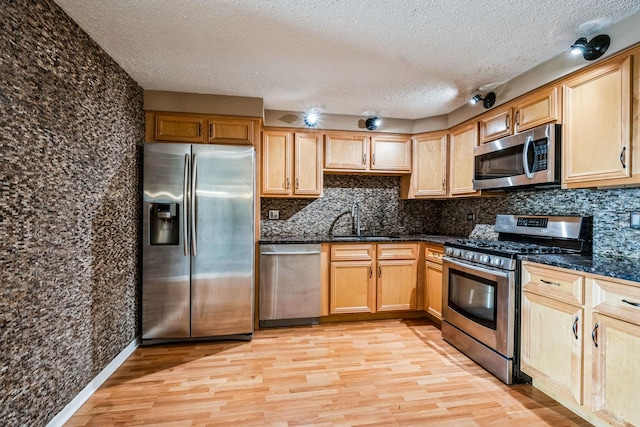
[{"x": 481, "y": 278}]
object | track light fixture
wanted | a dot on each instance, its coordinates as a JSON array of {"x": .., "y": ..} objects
[
  {"x": 593, "y": 49},
  {"x": 311, "y": 118},
  {"x": 488, "y": 100},
  {"x": 372, "y": 123}
]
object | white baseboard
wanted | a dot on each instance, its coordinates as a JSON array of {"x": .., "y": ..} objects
[{"x": 68, "y": 411}]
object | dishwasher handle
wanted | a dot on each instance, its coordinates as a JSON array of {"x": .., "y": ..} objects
[{"x": 290, "y": 253}]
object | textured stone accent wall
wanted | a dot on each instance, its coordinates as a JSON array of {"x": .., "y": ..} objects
[
  {"x": 72, "y": 130},
  {"x": 379, "y": 200},
  {"x": 609, "y": 209}
]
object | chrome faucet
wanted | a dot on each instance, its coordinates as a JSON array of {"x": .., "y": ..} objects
[{"x": 355, "y": 213}]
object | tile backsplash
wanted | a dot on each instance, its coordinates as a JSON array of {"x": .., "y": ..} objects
[{"x": 384, "y": 212}]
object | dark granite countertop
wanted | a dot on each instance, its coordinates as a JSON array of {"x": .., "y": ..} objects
[
  {"x": 325, "y": 238},
  {"x": 603, "y": 265}
]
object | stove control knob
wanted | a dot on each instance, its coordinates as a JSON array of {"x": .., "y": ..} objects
[
  {"x": 470, "y": 256},
  {"x": 456, "y": 252},
  {"x": 448, "y": 251},
  {"x": 485, "y": 259},
  {"x": 496, "y": 261}
]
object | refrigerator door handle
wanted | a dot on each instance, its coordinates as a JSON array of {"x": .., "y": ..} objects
[
  {"x": 194, "y": 172},
  {"x": 185, "y": 192}
]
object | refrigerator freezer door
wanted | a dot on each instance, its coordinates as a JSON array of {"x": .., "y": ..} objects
[
  {"x": 165, "y": 267},
  {"x": 222, "y": 286}
]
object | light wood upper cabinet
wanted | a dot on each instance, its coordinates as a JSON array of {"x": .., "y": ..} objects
[
  {"x": 496, "y": 125},
  {"x": 536, "y": 109},
  {"x": 197, "y": 128},
  {"x": 179, "y": 128},
  {"x": 345, "y": 152},
  {"x": 307, "y": 151},
  {"x": 230, "y": 131},
  {"x": 596, "y": 134},
  {"x": 463, "y": 140},
  {"x": 429, "y": 171},
  {"x": 291, "y": 164},
  {"x": 353, "y": 152},
  {"x": 390, "y": 153}
]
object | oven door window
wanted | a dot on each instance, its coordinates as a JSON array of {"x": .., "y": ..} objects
[{"x": 473, "y": 297}]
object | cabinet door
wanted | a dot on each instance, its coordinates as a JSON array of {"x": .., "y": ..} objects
[
  {"x": 276, "y": 163},
  {"x": 429, "y": 174},
  {"x": 396, "y": 285},
  {"x": 308, "y": 165},
  {"x": 596, "y": 133},
  {"x": 345, "y": 152},
  {"x": 391, "y": 153},
  {"x": 551, "y": 347},
  {"x": 537, "y": 109},
  {"x": 230, "y": 131},
  {"x": 352, "y": 287},
  {"x": 433, "y": 289},
  {"x": 463, "y": 140},
  {"x": 179, "y": 128},
  {"x": 496, "y": 125},
  {"x": 616, "y": 371}
]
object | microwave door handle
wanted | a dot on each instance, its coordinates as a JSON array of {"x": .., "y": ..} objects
[{"x": 525, "y": 163}]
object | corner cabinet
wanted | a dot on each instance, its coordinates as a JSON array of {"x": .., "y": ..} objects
[
  {"x": 346, "y": 152},
  {"x": 429, "y": 172},
  {"x": 463, "y": 140},
  {"x": 600, "y": 131},
  {"x": 580, "y": 334},
  {"x": 291, "y": 164},
  {"x": 195, "y": 128}
]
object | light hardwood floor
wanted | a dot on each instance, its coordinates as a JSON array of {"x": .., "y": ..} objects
[{"x": 375, "y": 373}]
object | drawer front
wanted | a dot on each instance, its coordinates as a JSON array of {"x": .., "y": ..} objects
[
  {"x": 397, "y": 250},
  {"x": 433, "y": 253},
  {"x": 357, "y": 252},
  {"x": 559, "y": 284},
  {"x": 616, "y": 299}
]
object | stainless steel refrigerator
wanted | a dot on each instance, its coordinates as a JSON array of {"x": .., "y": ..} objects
[{"x": 198, "y": 241}]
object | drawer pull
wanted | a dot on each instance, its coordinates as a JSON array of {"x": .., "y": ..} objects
[
  {"x": 594, "y": 334},
  {"x": 635, "y": 304},
  {"x": 550, "y": 283},
  {"x": 575, "y": 327}
]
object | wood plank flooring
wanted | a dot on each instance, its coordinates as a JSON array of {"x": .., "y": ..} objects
[{"x": 374, "y": 373}]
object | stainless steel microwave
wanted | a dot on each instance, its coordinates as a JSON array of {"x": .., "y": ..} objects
[{"x": 526, "y": 159}]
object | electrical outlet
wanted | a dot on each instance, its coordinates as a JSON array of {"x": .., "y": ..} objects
[
  {"x": 471, "y": 217},
  {"x": 634, "y": 219},
  {"x": 274, "y": 214}
]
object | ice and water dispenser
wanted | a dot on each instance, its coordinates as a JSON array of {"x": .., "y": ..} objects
[{"x": 164, "y": 224}]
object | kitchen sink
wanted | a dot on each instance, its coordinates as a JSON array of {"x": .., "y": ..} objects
[{"x": 364, "y": 237}]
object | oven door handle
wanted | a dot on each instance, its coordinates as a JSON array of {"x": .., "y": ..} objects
[{"x": 479, "y": 268}]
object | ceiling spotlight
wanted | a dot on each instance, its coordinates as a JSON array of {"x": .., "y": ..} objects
[
  {"x": 311, "y": 119},
  {"x": 489, "y": 100},
  {"x": 593, "y": 49},
  {"x": 372, "y": 123}
]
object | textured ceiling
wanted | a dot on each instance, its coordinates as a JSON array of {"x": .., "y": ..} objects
[{"x": 395, "y": 58}]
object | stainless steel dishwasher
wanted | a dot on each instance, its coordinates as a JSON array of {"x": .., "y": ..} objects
[{"x": 289, "y": 284}]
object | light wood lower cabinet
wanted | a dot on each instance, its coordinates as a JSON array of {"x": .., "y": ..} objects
[
  {"x": 370, "y": 278},
  {"x": 551, "y": 351},
  {"x": 583, "y": 351},
  {"x": 433, "y": 280}
]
